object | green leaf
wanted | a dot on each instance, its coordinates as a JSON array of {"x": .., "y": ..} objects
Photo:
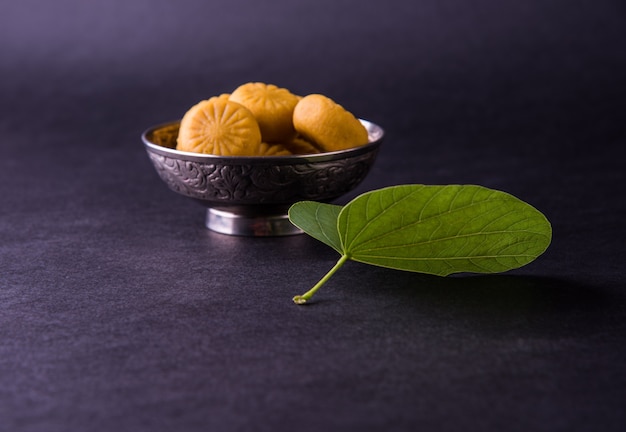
[
  {"x": 318, "y": 220},
  {"x": 443, "y": 229},
  {"x": 438, "y": 230}
]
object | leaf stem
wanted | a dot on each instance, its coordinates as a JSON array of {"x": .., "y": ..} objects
[{"x": 302, "y": 299}]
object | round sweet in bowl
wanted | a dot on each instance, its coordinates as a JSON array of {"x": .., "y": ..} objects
[{"x": 250, "y": 196}]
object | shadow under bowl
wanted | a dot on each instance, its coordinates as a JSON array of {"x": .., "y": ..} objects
[{"x": 251, "y": 196}]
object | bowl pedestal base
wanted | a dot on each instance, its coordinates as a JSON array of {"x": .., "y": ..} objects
[{"x": 238, "y": 223}]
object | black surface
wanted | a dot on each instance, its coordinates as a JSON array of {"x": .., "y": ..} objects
[{"x": 119, "y": 311}]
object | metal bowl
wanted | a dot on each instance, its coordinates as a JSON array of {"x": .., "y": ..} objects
[{"x": 250, "y": 196}]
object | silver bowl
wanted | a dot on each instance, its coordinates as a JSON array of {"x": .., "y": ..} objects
[{"x": 250, "y": 196}]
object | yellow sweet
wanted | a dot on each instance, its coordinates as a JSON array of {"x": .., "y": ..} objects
[
  {"x": 274, "y": 149},
  {"x": 326, "y": 123},
  {"x": 221, "y": 127},
  {"x": 272, "y": 107},
  {"x": 301, "y": 146}
]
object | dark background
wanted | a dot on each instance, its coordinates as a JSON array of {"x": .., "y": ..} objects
[{"x": 119, "y": 311}]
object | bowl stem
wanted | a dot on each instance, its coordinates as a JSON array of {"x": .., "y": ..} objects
[{"x": 237, "y": 224}]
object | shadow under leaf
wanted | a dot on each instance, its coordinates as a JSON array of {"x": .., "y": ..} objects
[{"x": 499, "y": 304}]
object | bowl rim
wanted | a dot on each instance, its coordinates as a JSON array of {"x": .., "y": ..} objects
[{"x": 375, "y": 137}]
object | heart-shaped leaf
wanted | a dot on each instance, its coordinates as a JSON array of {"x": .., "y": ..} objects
[{"x": 428, "y": 229}]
